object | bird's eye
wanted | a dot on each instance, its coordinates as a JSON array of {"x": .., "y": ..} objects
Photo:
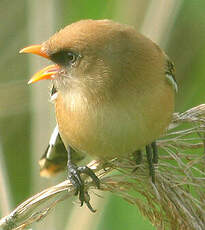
[
  {"x": 71, "y": 57},
  {"x": 64, "y": 58}
]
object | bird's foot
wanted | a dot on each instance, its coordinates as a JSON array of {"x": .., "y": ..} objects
[
  {"x": 152, "y": 158},
  {"x": 74, "y": 175}
]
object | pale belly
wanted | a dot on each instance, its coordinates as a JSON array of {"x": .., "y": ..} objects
[{"x": 111, "y": 130}]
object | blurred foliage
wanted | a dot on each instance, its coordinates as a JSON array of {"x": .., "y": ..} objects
[
  {"x": 77, "y": 10},
  {"x": 119, "y": 214},
  {"x": 186, "y": 48},
  {"x": 14, "y": 112}
]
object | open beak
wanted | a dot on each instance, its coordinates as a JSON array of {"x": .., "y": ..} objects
[{"x": 48, "y": 72}]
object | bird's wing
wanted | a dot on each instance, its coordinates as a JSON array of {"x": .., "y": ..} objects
[
  {"x": 55, "y": 156},
  {"x": 170, "y": 74},
  {"x": 53, "y": 93}
]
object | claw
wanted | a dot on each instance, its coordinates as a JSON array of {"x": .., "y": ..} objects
[
  {"x": 75, "y": 178},
  {"x": 90, "y": 173},
  {"x": 87, "y": 201}
]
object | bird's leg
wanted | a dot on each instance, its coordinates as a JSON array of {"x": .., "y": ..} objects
[
  {"x": 74, "y": 176},
  {"x": 138, "y": 158},
  {"x": 150, "y": 158},
  {"x": 155, "y": 152}
]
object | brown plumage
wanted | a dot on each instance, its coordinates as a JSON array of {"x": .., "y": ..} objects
[{"x": 115, "y": 87}]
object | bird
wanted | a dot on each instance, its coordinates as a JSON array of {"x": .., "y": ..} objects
[{"x": 113, "y": 91}]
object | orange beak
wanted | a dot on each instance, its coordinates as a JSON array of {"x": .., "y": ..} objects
[{"x": 48, "y": 72}]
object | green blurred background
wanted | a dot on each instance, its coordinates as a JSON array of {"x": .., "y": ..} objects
[{"x": 26, "y": 117}]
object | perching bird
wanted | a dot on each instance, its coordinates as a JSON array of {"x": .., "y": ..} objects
[{"x": 114, "y": 91}]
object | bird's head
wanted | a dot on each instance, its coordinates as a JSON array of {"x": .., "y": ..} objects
[
  {"x": 88, "y": 50},
  {"x": 95, "y": 54}
]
